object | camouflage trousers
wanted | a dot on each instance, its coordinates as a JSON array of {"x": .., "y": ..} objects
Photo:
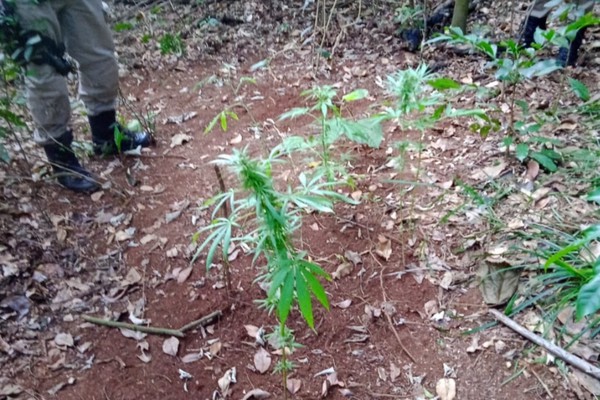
[{"x": 81, "y": 26}]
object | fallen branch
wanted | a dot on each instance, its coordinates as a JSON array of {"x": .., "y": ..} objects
[
  {"x": 204, "y": 321},
  {"x": 559, "y": 352},
  {"x": 133, "y": 327}
]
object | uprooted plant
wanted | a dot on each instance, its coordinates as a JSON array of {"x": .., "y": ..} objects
[{"x": 272, "y": 217}]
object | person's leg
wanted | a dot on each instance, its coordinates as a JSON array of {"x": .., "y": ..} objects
[
  {"x": 568, "y": 56},
  {"x": 537, "y": 16},
  {"x": 89, "y": 41},
  {"x": 48, "y": 101}
]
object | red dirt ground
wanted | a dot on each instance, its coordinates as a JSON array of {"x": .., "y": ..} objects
[{"x": 364, "y": 367}]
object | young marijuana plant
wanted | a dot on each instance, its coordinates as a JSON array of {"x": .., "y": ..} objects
[
  {"x": 227, "y": 112},
  {"x": 327, "y": 116},
  {"x": 291, "y": 278}
]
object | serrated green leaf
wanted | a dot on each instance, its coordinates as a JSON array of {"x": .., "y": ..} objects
[
  {"x": 212, "y": 123},
  {"x": 277, "y": 281},
  {"x": 316, "y": 287},
  {"x": 355, "y": 95},
  {"x": 522, "y": 151},
  {"x": 444, "y": 84},
  {"x": 286, "y": 299},
  {"x": 304, "y": 300}
]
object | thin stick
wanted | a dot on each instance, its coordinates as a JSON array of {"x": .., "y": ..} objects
[
  {"x": 559, "y": 352},
  {"x": 204, "y": 321},
  {"x": 542, "y": 383},
  {"x": 389, "y": 319},
  {"x": 133, "y": 327}
]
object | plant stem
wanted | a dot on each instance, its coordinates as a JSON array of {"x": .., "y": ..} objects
[{"x": 284, "y": 361}]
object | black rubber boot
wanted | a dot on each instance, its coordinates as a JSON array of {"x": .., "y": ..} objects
[
  {"x": 103, "y": 135},
  {"x": 531, "y": 25},
  {"x": 568, "y": 57},
  {"x": 69, "y": 173}
]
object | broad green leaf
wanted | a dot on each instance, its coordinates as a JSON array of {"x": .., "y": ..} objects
[
  {"x": 357, "y": 94},
  {"x": 580, "y": 89},
  {"x": 588, "y": 299},
  {"x": 304, "y": 300},
  {"x": 316, "y": 287},
  {"x": 544, "y": 161},
  {"x": 287, "y": 297},
  {"x": 444, "y": 84},
  {"x": 522, "y": 151},
  {"x": 593, "y": 196},
  {"x": 541, "y": 68}
]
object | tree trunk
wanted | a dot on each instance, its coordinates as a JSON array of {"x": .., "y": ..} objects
[{"x": 461, "y": 12}]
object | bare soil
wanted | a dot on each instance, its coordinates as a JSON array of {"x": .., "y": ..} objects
[{"x": 428, "y": 321}]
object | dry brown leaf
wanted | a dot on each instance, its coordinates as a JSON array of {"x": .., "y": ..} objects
[
  {"x": 128, "y": 333},
  {"x": 533, "y": 169},
  {"x": 384, "y": 247},
  {"x": 184, "y": 274},
  {"x": 356, "y": 195},
  {"x": 353, "y": 257},
  {"x": 495, "y": 170},
  {"x": 344, "y": 304},
  {"x": 133, "y": 277},
  {"x": 171, "y": 346},
  {"x": 64, "y": 340},
  {"x": 226, "y": 380},
  {"x": 148, "y": 238},
  {"x": 447, "y": 280},
  {"x": 179, "y": 139},
  {"x": 237, "y": 139},
  {"x": 145, "y": 357},
  {"x": 294, "y": 385},
  {"x": 342, "y": 271},
  {"x": 215, "y": 348},
  {"x": 192, "y": 357},
  {"x": 446, "y": 389},
  {"x": 96, "y": 196},
  {"x": 262, "y": 360},
  {"x": 394, "y": 372},
  {"x": 252, "y": 331},
  {"x": 256, "y": 394}
]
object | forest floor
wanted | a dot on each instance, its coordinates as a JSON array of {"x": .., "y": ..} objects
[{"x": 405, "y": 262}]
